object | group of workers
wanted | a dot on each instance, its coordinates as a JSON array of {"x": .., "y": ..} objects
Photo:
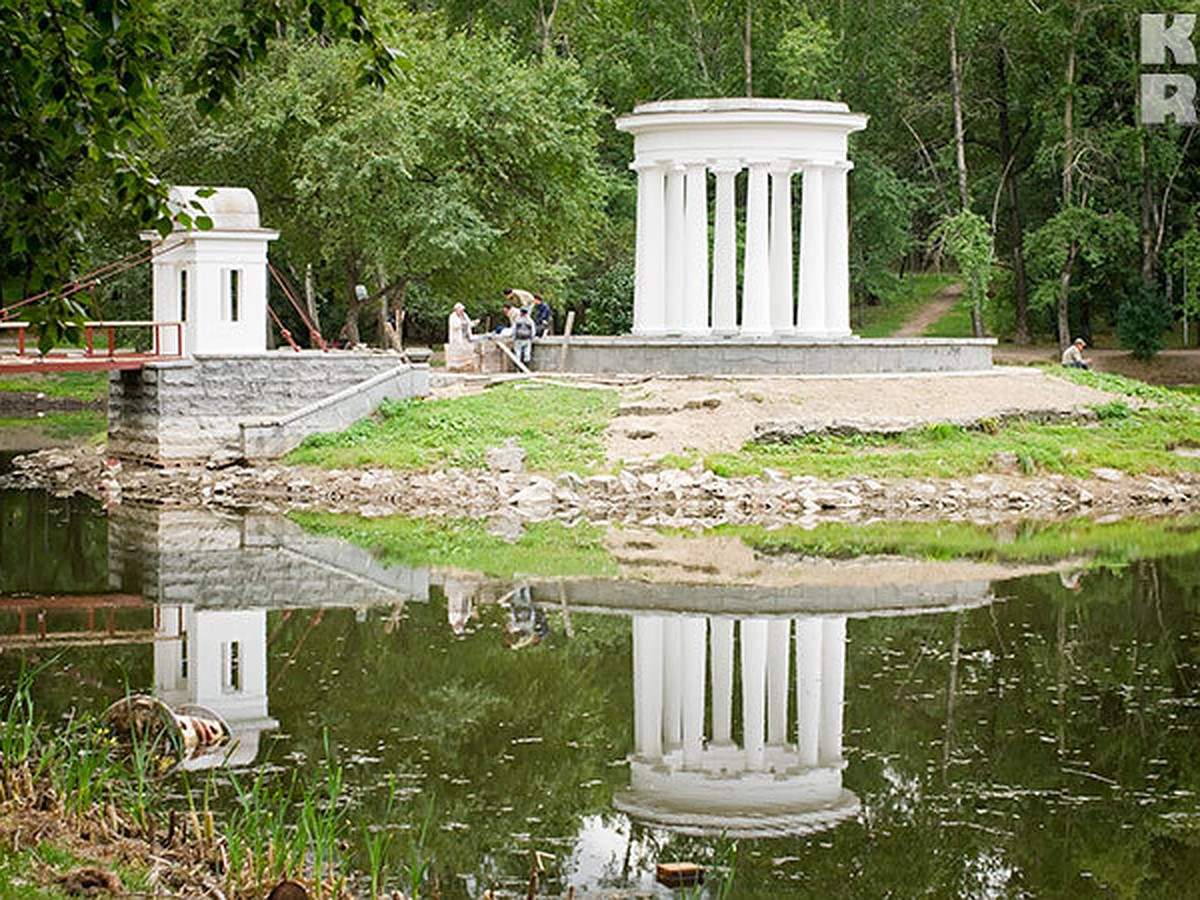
[{"x": 527, "y": 316}]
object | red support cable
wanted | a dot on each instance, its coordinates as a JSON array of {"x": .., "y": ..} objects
[
  {"x": 314, "y": 333},
  {"x": 287, "y": 335}
]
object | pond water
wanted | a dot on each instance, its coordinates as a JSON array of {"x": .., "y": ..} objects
[{"x": 854, "y": 736}]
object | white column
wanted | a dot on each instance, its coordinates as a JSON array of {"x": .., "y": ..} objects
[
  {"x": 837, "y": 251},
  {"x": 756, "y": 283},
  {"x": 649, "y": 313},
  {"x": 778, "y": 669},
  {"x": 833, "y": 687},
  {"x": 694, "y": 634},
  {"x": 783, "y": 313},
  {"x": 674, "y": 249},
  {"x": 808, "y": 687},
  {"x": 672, "y": 686},
  {"x": 695, "y": 253},
  {"x": 811, "y": 318},
  {"x": 647, "y": 686},
  {"x": 722, "y": 680},
  {"x": 724, "y": 272},
  {"x": 754, "y": 690}
]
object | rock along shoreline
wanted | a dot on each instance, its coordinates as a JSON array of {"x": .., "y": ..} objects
[{"x": 641, "y": 493}]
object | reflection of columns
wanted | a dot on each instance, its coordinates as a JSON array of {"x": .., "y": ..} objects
[
  {"x": 672, "y": 686},
  {"x": 694, "y": 640},
  {"x": 724, "y": 274},
  {"x": 756, "y": 285},
  {"x": 811, "y": 320},
  {"x": 837, "y": 252},
  {"x": 782, "y": 312},
  {"x": 778, "y": 669},
  {"x": 695, "y": 262},
  {"x": 671, "y": 662},
  {"x": 754, "y": 678},
  {"x": 674, "y": 261},
  {"x": 722, "y": 680},
  {"x": 752, "y": 783},
  {"x": 648, "y": 685},
  {"x": 808, "y": 687},
  {"x": 833, "y": 671},
  {"x": 649, "y": 316}
]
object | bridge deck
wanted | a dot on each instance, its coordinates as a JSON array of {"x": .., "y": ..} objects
[{"x": 99, "y": 353}]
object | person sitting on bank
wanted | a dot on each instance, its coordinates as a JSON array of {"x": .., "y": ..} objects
[
  {"x": 1073, "y": 356},
  {"x": 523, "y": 332},
  {"x": 510, "y": 315},
  {"x": 542, "y": 316}
]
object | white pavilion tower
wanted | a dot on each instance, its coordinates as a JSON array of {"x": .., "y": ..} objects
[{"x": 683, "y": 290}]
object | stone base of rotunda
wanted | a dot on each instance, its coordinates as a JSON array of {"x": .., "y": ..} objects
[{"x": 633, "y": 354}]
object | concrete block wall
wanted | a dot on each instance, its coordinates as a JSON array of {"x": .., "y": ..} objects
[{"x": 177, "y": 411}]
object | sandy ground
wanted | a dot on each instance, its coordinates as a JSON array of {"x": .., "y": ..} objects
[
  {"x": 718, "y": 415},
  {"x": 662, "y": 415}
]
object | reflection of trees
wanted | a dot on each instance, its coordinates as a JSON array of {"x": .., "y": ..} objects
[
  {"x": 51, "y": 545},
  {"x": 508, "y": 742},
  {"x": 1073, "y": 743}
]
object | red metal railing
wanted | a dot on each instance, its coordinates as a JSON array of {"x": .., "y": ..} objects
[{"x": 105, "y": 353}]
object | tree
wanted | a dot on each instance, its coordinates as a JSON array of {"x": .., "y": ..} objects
[
  {"x": 967, "y": 237},
  {"x": 448, "y": 185},
  {"x": 79, "y": 110}
]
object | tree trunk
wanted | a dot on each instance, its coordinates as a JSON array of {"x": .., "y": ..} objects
[
  {"x": 546, "y": 24},
  {"x": 960, "y": 150},
  {"x": 310, "y": 298},
  {"x": 1064, "y": 288},
  {"x": 350, "y": 331},
  {"x": 746, "y": 50},
  {"x": 1147, "y": 205},
  {"x": 1016, "y": 230}
]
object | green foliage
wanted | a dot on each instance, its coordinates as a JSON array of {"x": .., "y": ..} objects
[
  {"x": 1142, "y": 320},
  {"x": 80, "y": 111},
  {"x": 558, "y": 427},
  {"x": 967, "y": 238},
  {"x": 1101, "y": 544}
]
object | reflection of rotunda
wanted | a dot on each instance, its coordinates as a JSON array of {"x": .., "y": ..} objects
[{"x": 776, "y": 774}]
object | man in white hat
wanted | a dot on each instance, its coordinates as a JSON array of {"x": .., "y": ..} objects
[{"x": 1073, "y": 355}]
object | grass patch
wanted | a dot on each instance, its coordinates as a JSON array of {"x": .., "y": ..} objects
[
  {"x": 547, "y": 549},
  {"x": 1133, "y": 440},
  {"x": 1142, "y": 442},
  {"x": 1111, "y": 544},
  {"x": 559, "y": 428},
  {"x": 90, "y": 425},
  {"x": 87, "y": 387},
  {"x": 956, "y": 323},
  {"x": 898, "y": 306}
]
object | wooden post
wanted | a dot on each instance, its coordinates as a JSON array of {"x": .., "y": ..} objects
[{"x": 562, "y": 351}]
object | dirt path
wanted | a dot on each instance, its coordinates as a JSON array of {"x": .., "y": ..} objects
[
  {"x": 944, "y": 301},
  {"x": 714, "y": 415}
]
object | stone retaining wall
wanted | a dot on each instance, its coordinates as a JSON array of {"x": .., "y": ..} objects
[
  {"x": 192, "y": 409},
  {"x": 762, "y": 356}
]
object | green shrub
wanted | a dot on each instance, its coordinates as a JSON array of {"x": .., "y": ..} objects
[{"x": 1141, "y": 321}]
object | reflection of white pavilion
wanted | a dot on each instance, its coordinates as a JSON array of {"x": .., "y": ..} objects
[
  {"x": 216, "y": 659},
  {"x": 777, "y": 774}
]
